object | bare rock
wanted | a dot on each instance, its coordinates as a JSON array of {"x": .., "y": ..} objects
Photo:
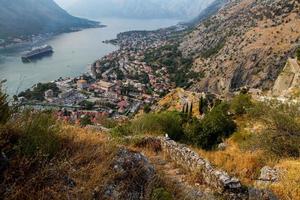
[
  {"x": 222, "y": 146},
  {"x": 268, "y": 176},
  {"x": 132, "y": 175}
]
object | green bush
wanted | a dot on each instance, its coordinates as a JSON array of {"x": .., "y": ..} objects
[
  {"x": 38, "y": 92},
  {"x": 162, "y": 123},
  {"x": 122, "y": 130},
  {"x": 281, "y": 137},
  {"x": 161, "y": 194},
  {"x": 192, "y": 130},
  {"x": 240, "y": 104},
  {"x": 85, "y": 121},
  {"x": 40, "y": 134},
  {"x": 153, "y": 123},
  {"x": 215, "y": 127},
  {"x": 4, "y": 108}
]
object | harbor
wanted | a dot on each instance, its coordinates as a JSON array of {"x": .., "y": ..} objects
[{"x": 74, "y": 52}]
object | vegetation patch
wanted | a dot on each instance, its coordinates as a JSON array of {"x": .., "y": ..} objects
[
  {"x": 37, "y": 93},
  {"x": 40, "y": 134},
  {"x": 153, "y": 123},
  {"x": 161, "y": 194},
  {"x": 281, "y": 137},
  {"x": 214, "y": 50},
  {"x": 215, "y": 127},
  {"x": 178, "y": 66}
]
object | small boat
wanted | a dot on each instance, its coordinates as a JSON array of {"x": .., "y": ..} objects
[{"x": 37, "y": 52}]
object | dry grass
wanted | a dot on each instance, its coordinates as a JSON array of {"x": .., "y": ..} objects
[
  {"x": 245, "y": 165},
  {"x": 72, "y": 174},
  {"x": 289, "y": 186}
]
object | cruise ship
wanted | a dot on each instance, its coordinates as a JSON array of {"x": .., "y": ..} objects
[{"x": 37, "y": 52}]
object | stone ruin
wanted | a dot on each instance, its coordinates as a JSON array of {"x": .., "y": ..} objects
[
  {"x": 184, "y": 156},
  {"x": 220, "y": 181}
]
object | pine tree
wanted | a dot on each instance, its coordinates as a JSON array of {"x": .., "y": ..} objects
[
  {"x": 191, "y": 110},
  {"x": 186, "y": 108},
  {"x": 203, "y": 104}
]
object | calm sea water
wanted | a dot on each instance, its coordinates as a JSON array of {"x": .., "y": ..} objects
[{"x": 73, "y": 53}]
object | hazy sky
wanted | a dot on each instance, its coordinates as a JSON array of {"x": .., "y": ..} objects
[
  {"x": 135, "y": 8},
  {"x": 66, "y": 3}
]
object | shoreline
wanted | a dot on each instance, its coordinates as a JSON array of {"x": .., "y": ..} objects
[
  {"x": 78, "y": 73},
  {"x": 16, "y": 42}
]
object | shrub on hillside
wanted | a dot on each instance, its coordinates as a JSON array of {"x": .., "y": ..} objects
[
  {"x": 122, "y": 130},
  {"x": 166, "y": 122},
  {"x": 216, "y": 126},
  {"x": 282, "y": 134},
  {"x": 153, "y": 123},
  {"x": 240, "y": 104},
  {"x": 192, "y": 130},
  {"x": 161, "y": 194},
  {"x": 85, "y": 120},
  {"x": 4, "y": 108},
  {"x": 37, "y": 93},
  {"x": 40, "y": 134},
  {"x": 212, "y": 130}
]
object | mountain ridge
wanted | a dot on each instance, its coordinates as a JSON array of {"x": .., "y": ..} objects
[{"x": 27, "y": 17}]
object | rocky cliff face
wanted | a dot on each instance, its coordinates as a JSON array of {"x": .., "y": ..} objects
[{"x": 245, "y": 44}]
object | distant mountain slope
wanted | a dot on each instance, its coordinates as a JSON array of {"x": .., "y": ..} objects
[
  {"x": 209, "y": 11},
  {"x": 246, "y": 43},
  {"x": 136, "y": 8},
  {"x": 24, "y": 17}
]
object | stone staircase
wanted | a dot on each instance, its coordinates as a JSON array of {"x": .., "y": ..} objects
[{"x": 178, "y": 178}]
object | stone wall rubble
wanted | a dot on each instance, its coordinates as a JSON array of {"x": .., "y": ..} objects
[{"x": 189, "y": 159}]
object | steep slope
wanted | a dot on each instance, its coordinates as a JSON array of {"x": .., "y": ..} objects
[
  {"x": 245, "y": 44},
  {"x": 25, "y": 17},
  {"x": 137, "y": 8}
]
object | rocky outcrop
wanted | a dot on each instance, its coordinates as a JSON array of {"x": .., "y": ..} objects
[
  {"x": 131, "y": 177},
  {"x": 268, "y": 176},
  {"x": 245, "y": 44}
]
